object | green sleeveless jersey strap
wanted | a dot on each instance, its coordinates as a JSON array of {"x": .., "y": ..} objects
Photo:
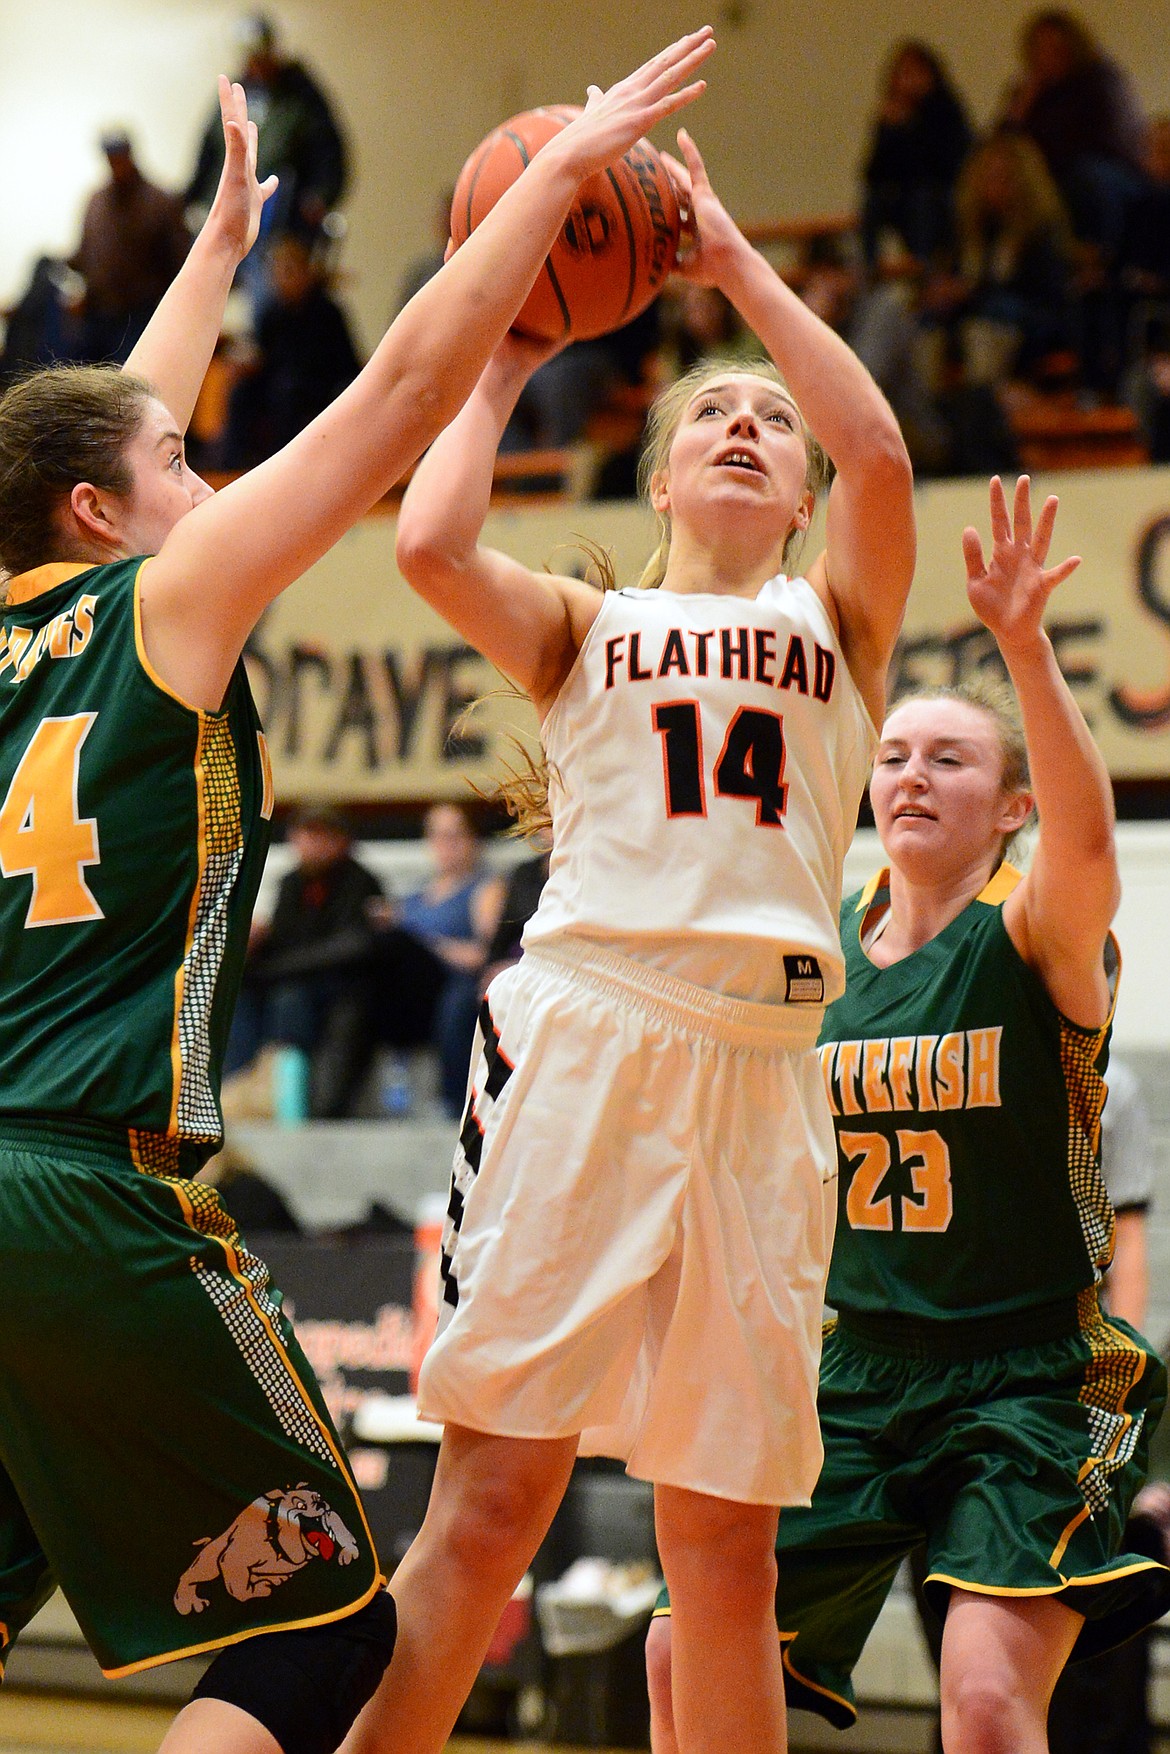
[{"x": 968, "y": 1118}]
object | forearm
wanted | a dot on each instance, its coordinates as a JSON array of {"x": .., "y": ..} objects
[
  {"x": 1070, "y": 781},
  {"x": 450, "y": 491},
  {"x": 837, "y": 396},
  {"x": 175, "y": 348},
  {"x": 417, "y": 379}
]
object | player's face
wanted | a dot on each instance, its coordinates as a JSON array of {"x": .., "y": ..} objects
[
  {"x": 937, "y": 790},
  {"x": 165, "y": 489},
  {"x": 739, "y": 450}
]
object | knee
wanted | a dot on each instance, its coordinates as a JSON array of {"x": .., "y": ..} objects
[
  {"x": 983, "y": 1714},
  {"x": 730, "y": 1548},
  {"x": 494, "y": 1520}
]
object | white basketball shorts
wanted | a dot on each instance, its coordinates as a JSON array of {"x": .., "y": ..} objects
[{"x": 641, "y": 1216}]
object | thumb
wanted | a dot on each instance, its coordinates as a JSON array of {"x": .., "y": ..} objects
[{"x": 973, "y": 554}]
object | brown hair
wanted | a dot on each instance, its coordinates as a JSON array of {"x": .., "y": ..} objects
[
  {"x": 663, "y": 423},
  {"x": 67, "y": 424},
  {"x": 995, "y": 697},
  {"x": 1083, "y": 45}
]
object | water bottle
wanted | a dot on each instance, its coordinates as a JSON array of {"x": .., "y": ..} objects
[{"x": 290, "y": 1086}]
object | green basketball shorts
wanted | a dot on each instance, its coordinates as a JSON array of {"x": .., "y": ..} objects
[
  {"x": 165, "y": 1453},
  {"x": 1017, "y": 1467}
]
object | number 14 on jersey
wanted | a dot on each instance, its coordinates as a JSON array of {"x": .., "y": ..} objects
[{"x": 750, "y": 764}]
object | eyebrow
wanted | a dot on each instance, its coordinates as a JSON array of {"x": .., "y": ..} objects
[
  {"x": 167, "y": 438},
  {"x": 775, "y": 394},
  {"x": 934, "y": 743}
]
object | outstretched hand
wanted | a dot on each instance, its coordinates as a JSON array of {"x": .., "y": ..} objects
[
  {"x": 1009, "y": 593},
  {"x": 709, "y": 230},
  {"x": 239, "y": 199},
  {"x": 612, "y": 120}
]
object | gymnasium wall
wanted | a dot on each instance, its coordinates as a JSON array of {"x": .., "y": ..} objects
[{"x": 419, "y": 84}]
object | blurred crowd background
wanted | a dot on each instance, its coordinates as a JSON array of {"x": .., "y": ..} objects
[{"x": 991, "y": 255}]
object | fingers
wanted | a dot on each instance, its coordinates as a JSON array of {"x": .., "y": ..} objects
[
  {"x": 1001, "y": 527},
  {"x": 695, "y": 166},
  {"x": 677, "y": 100},
  {"x": 1022, "y": 519},
  {"x": 973, "y": 554},
  {"x": 673, "y": 66},
  {"x": 1056, "y": 575},
  {"x": 1044, "y": 524}
]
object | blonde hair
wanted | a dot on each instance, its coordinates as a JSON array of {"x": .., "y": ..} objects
[
  {"x": 663, "y": 423},
  {"x": 1036, "y": 207}
]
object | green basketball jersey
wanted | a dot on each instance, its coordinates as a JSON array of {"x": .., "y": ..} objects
[
  {"x": 133, "y": 830},
  {"x": 968, "y": 1116}
]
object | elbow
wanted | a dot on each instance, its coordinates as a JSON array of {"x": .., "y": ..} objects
[
  {"x": 423, "y": 558},
  {"x": 888, "y": 458}
]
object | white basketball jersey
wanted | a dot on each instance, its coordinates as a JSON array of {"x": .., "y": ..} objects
[{"x": 707, "y": 756}]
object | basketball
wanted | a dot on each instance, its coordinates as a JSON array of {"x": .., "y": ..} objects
[{"x": 616, "y": 247}]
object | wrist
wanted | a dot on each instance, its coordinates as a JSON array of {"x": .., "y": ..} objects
[
  {"x": 216, "y": 244},
  {"x": 1024, "y": 652}
]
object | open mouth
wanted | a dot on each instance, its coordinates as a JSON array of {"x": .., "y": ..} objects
[
  {"x": 739, "y": 460},
  {"x": 317, "y": 1537}
]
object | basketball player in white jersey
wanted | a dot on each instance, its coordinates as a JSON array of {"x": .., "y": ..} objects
[{"x": 642, "y": 1204}]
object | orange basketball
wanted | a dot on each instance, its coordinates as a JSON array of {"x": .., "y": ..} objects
[{"x": 616, "y": 247}]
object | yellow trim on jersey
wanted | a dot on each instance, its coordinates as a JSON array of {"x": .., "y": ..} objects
[
  {"x": 1005, "y": 879},
  {"x": 997, "y": 889},
  {"x": 195, "y": 1650},
  {"x": 176, "y": 1185},
  {"x": 813, "y": 1686},
  {"x": 879, "y": 880},
  {"x": 1055, "y": 1589},
  {"x": 140, "y": 645},
  {"x": 192, "y": 917},
  {"x": 27, "y": 585}
]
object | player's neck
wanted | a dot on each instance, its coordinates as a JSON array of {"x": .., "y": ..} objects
[
  {"x": 730, "y": 565},
  {"x": 920, "y": 910}
]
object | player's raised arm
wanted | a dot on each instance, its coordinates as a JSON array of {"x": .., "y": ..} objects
[
  {"x": 868, "y": 563},
  {"x": 250, "y": 541},
  {"x": 528, "y": 624},
  {"x": 1061, "y": 912},
  {"x": 175, "y": 349}
]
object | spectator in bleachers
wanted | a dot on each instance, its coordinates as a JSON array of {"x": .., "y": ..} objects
[
  {"x": 299, "y": 140},
  {"x": 454, "y": 915},
  {"x": 307, "y": 982},
  {"x": 1011, "y": 301},
  {"x": 1144, "y": 276},
  {"x": 44, "y": 325},
  {"x": 1083, "y": 113},
  {"x": 1144, "y": 256},
  {"x": 302, "y": 357},
  {"x": 133, "y": 242},
  {"x": 920, "y": 137}
]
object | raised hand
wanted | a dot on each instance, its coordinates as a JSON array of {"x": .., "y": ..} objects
[
  {"x": 612, "y": 120},
  {"x": 235, "y": 212},
  {"x": 1009, "y": 593},
  {"x": 712, "y": 235}
]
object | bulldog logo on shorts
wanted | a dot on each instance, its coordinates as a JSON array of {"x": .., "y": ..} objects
[{"x": 272, "y": 1538}]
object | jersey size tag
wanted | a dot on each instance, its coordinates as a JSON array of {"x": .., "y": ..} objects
[{"x": 804, "y": 982}]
